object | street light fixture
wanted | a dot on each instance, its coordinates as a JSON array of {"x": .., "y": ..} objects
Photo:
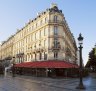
[
  {"x": 80, "y": 41},
  {"x": 13, "y": 69}
]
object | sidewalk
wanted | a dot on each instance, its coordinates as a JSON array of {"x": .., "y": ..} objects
[
  {"x": 29, "y": 83},
  {"x": 67, "y": 84}
]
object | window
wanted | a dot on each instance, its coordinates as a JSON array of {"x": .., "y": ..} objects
[
  {"x": 45, "y": 56},
  {"x": 35, "y": 36},
  {"x": 40, "y": 34},
  {"x": 32, "y": 27},
  {"x": 35, "y": 56},
  {"x": 41, "y": 22},
  {"x": 44, "y": 31},
  {"x": 44, "y": 43},
  {"x": 55, "y": 18},
  {"x": 55, "y": 43},
  {"x": 55, "y": 30},
  {"x": 26, "y": 40},
  {"x": 29, "y": 28},
  {"x": 40, "y": 56},
  {"x": 45, "y": 19},
  {"x": 55, "y": 54},
  {"x": 31, "y": 37},
  {"x": 36, "y": 25}
]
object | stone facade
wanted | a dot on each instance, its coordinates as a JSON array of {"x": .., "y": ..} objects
[{"x": 47, "y": 37}]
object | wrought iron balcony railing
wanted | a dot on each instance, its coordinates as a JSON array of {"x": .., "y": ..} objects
[
  {"x": 56, "y": 48},
  {"x": 58, "y": 21}
]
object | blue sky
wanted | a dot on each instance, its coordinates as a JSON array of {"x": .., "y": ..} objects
[{"x": 80, "y": 16}]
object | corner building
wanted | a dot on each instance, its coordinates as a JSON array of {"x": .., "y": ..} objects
[
  {"x": 45, "y": 46},
  {"x": 45, "y": 38}
]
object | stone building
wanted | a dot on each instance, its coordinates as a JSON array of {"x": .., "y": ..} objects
[{"x": 46, "y": 37}]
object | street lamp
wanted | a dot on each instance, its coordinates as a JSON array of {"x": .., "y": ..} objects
[
  {"x": 80, "y": 41},
  {"x": 13, "y": 69}
]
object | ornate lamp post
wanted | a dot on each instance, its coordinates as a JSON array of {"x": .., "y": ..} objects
[
  {"x": 80, "y": 40},
  {"x": 13, "y": 70}
]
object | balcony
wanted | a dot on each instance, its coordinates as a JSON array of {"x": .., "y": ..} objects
[
  {"x": 34, "y": 51},
  {"x": 58, "y": 21},
  {"x": 54, "y": 48},
  {"x": 38, "y": 50},
  {"x": 20, "y": 54}
]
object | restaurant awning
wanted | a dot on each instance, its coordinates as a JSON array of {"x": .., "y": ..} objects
[{"x": 47, "y": 64}]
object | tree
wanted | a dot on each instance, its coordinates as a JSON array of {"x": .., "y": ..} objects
[{"x": 92, "y": 60}]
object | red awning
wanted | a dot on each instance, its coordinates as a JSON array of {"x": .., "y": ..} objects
[{"x": 47, "y": 64}]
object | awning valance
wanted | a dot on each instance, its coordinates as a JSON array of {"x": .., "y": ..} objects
[{"x": 47, "y": 64}]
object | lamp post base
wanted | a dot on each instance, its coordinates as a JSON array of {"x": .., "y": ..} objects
[{"x": 81, "y": 86}]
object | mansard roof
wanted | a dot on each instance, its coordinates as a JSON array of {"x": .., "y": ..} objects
[{"x": 55, "y": 9}]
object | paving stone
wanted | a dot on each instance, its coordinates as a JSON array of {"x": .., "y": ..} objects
[{"x": 29, "y": 83}]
